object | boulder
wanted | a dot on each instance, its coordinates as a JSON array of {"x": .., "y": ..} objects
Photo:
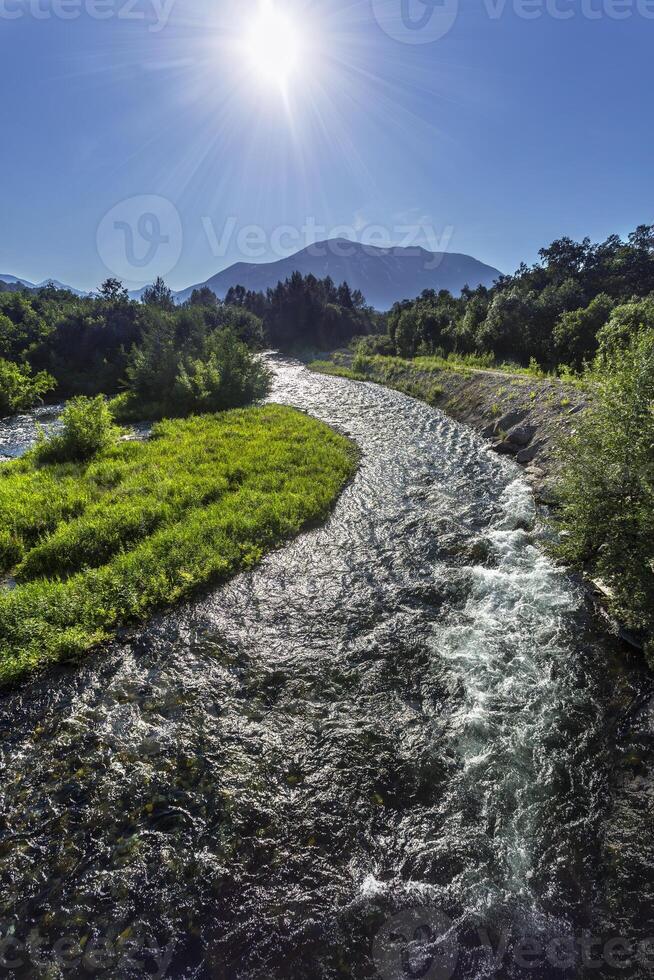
[
  {"x": 521, "y": 435},
  {"x": 530, "y": 453},
  {"x": 510, "y": 420},
  {"x": 506, "y": 448}
]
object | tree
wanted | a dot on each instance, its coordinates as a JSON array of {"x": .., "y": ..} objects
[
  {"x": 158, "y": 294},
  {"x": 575, "y": 333},
  {"x": 406, "y": 334},
  {"x": 113, "y": 291},
  {"x": 608, "y": 483},
  {"x": 20, "y": 389},
  {"x": 204, "y": 296},
  {"x": 236, "y": 296},
  {"x": 626, "y": 322},
  {"x": 153, "y": 364},
  {"x": 565, "y": 258}
]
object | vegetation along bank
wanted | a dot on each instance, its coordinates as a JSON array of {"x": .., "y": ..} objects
[
  {"x": 554, "y": 363},
  {"x": 523, "y": 415}
]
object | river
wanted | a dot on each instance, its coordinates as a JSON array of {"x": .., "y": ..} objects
[{"x": 401, "y": 747}]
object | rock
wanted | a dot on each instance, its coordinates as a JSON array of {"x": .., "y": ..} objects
[
  {"x": 530, "y": 453},
  {"x": 506, "y": 448},
  {"x": 535, "y": 472},
  {"x": 602, "y": 588},
  {"x": 489, "y": 431},
  {"x": 521, "y": 435},
  {"x": 510, "y": 420},
  {"x": 577, "y": 409}
]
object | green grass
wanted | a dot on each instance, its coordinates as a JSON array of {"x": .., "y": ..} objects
[
  {"x": 95, "y": 545},
  {"x": 338, "y": 370},
  {"x": 388, "y": 371}
]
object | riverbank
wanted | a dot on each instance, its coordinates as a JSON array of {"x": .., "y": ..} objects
[
  {"x": 411, "y": 693},
  {"x": 523, "y": 416},
  {"x": 87, "y": 547}
]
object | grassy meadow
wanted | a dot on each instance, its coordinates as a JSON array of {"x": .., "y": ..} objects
[{"x": 88, "y": 546}]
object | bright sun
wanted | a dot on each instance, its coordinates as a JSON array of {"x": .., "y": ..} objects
[{"x": 273, "y": 45}]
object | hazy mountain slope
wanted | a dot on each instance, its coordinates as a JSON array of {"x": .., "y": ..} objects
[
  {"x": 15, "y": 281},
  {"x": 383, "y": 275}
]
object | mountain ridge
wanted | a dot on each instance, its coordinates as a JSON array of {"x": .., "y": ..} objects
[
  {"x": 384, "y": 275},
  {"x": 17, "y": 281}
]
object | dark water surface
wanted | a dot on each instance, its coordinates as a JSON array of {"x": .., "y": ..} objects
[{"x": 397, "y": 746}]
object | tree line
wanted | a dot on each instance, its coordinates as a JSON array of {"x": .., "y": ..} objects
[
  {"x": 552, "y": 312},
  {"x": 169, "y": 358}
]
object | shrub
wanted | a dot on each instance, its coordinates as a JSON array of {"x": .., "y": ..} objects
[
  {"x": 87, "y": 428},
  {"x": 377, "y": 343},
  {"x": 208, "y": 372},
  {"x": 626, "y": 322},
  {"x": 228, "y": 375},
  {"x": 360, "y": 362},
  {"x": 575, "y": 333},
  {"x": 20, "y": 389},
  {"x": 608, "y": 483}
]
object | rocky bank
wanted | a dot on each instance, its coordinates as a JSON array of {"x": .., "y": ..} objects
[{"x": 523, "y": 416}]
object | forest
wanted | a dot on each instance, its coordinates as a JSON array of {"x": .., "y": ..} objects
[
  {"x": 566, "y": 312},
  {"x": 554, "y": 312},
  {"x": 163, "y": 359}
]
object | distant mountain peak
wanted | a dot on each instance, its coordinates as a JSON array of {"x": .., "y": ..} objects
[
  {"x": 384, "y": 274},
  {"x": 16, "y": 281}
]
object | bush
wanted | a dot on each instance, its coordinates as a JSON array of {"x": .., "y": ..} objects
[
  {"x": 87, "y": 429},
  {"x": 575, "y": 333},
  {"x": 209, "y": 372},
  {"x": 626, "y": 322},
  {"x": 361, "y": 360},
  {"x": 608, "y": 483},
  {"x": 376, "y": 343},
  {"x": 20, "y": 389},
  {"x": 227, "y": 376}
]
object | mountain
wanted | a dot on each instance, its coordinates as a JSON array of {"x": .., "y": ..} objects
[
  {"x": 15, "y": 281},
  {"x": 384, "y": 275},
  {"x": 60, "y": 285}
]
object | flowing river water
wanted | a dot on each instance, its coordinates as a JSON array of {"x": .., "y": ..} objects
[{"x": 399, "y": 748}]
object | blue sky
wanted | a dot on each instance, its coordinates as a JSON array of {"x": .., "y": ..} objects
[{"x": 496, "y": 138}]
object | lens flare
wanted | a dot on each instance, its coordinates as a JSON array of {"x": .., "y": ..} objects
[{"x": 274, "y": 46}]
